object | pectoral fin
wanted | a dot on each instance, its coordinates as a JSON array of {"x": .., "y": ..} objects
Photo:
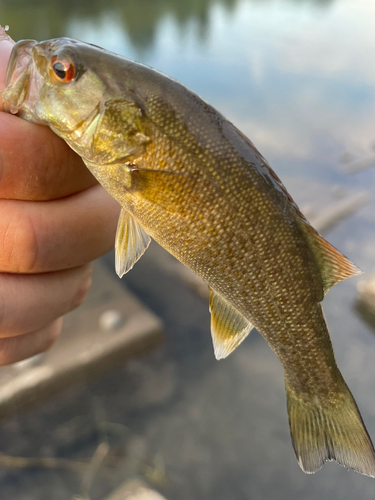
[
  {"x": 228, "y": 327},
  {"x": 131, "y": 243}
]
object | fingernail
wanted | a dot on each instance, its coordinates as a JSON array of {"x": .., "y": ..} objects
[
  {"x": 3, "y": 33},
  {"x": 6, "y": 45}
]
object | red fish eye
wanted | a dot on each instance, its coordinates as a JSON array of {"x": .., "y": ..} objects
[{"x": 63, "y": 69}]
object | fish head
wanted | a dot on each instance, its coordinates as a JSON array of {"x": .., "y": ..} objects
[{"x": 73, "y": 88}]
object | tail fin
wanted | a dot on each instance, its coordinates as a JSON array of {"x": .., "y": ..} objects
[{"x": 329, "y": 430}]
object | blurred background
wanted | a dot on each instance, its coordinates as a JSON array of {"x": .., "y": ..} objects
[{"x": 298, "y": 78}]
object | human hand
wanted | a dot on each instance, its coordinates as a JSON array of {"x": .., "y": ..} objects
[{"x": 55, "y": 219}]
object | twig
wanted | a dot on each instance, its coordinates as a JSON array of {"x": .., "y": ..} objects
[{"x": 97, "y": 460}]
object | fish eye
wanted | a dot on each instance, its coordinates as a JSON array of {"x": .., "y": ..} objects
[{"x": 63, "y": 69}]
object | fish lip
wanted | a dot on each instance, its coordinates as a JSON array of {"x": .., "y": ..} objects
[
  {"x": 17, "y": 74},
  {"x": 21, "y": 48},
  {"x": 24, "y": 80}
]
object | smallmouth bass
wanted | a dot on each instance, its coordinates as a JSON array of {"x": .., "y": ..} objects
[{"x": 191, "y": 180}]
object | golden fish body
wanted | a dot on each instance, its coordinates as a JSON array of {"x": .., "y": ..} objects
[{"x": 188, "y": 178}]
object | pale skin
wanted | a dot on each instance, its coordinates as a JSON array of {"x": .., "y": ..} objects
[{"x": 55, "y": 220}]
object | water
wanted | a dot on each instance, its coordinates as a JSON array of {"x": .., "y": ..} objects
[{"x": 297, "y": 77}]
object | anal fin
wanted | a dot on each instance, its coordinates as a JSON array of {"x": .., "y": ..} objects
[
  {"x": 228, "y": 326},
  {"x": 131, "y": 242}
]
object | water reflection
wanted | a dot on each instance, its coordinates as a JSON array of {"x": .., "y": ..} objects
[
  {"x": 44, "y": 19},
  {"x": 366, "y": 314},
  {"x": 139, "y": 18}
]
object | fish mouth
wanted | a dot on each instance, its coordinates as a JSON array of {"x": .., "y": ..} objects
[
  {"x": 23, "y": 81},
  {"x": 17, "y": 80}
]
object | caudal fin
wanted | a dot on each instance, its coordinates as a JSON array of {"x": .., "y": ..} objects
[{"x": 332, "y": 430}]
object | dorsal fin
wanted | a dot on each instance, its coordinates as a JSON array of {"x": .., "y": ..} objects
[
  {"x": 228, "y": 327},
  {"x": 333, "y": 265},
  {"x": 131, "y": 242}
]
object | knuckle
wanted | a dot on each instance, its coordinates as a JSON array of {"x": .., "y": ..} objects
[
  {"x": 14, "y": 349},
  {"x": 20, "y": 244},
  {"x": 2, "y": 309},
  {"x": 10, "y": 350},
  {"x": 83, "y": 288},
  {"x": 6, "y": 352},
  {"x": 12, "y": 300},
  {"x": 51, "y": 335}
]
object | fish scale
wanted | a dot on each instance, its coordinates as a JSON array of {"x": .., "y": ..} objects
[{"x": 188, "y": 178}]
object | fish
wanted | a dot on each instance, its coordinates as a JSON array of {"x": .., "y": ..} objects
[{"x": 188, "y": 178}]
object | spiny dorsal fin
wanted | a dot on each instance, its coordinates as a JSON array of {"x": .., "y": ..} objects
[
  {"x": 131, "y": 243},
  {"x": 334, "y": 266},
  {"x": 228, "y": 327}
]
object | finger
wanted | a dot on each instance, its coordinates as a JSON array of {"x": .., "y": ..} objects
[
  {"x": 35, "y": 164},
  {"x": 30, "y": 302},
  {"x": 6, "y": 45},
  {"x": 13, "y": 349},
  {"x": 49, "y": 236}
]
